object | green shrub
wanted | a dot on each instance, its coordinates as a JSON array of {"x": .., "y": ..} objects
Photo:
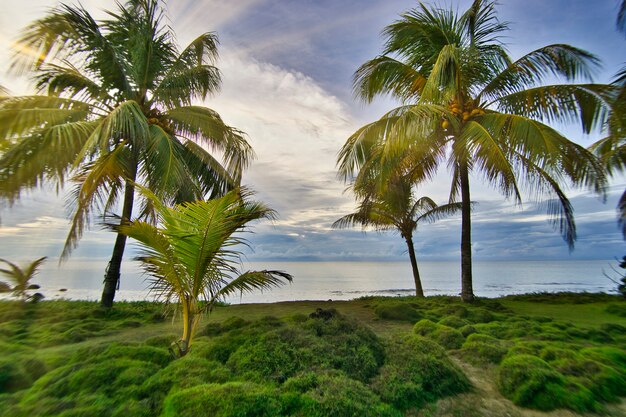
[
  {"x": 531, "y": 382},
  {"x": 467, "y": 330},
  {"x": 156, "y": 355},
  {"x": 133, "y": 408},
  {"x": 13, "y": 377},
  {"x": 160, "y": 341},
  {"x": 481, "y": 315},
  {"x": 336, "y": 343},
  {"x": 603, "y": 381},
  {"x": 608, "y": 355},
  {"x": 613, "y": 329},
  {"x": 233, "y": 323},
  {"x": 276, "y": 355},
  {"x": 334, "y": 394},
  {"x": 103, "y": 376},
  {"x": 397, "y": 311},
  {"x": 183, "y": 373},
  {"x": 425, "y": 327},
  {"x": 417, "y": 371},
  {"x": 236, "y": 399},
  {"x": 481, "y": 348},
  {"x": 618, "y": 309},
  {"x": 448, "y": 337},
  {"x": 525, "y": 347},
  {"x": 453, "y": 321}
]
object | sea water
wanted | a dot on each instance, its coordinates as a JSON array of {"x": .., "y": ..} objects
[{"x": 82, "y": 279}]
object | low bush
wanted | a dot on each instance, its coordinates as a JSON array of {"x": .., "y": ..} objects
[
  {"x": 336, "y": 343},
  {"x": 236, "y": 399},
  {"x": 453, "y": 321},
  {"x": 446, "y": 336},
  {"x": 467, "y": 330},
  {"x": 425, "y": 327},
  {"x": 397, "y": 311},
  {"x": 417, "y": 371},
  {"x": 333, "y": 394},
  {"x": 618, "y": 309},
  {"x": 479, "y": 349},
  {"x": 13, "y": 376},
  {"x": 531, "y": 382}
]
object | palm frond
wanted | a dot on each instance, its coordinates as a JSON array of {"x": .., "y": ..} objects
[
  {"x": 386, "y": 75},
  {"x": 251, "y": 281},
  {"x": 621, "y": 17},
  {"x": 71, "y": 32},
  {"x": 94, "y": 183},
  {"x": 57, "y": 80},
  {"x": 559, "y": 207},
  {"x": 443, "y": 81},
  {"x": 191, "y": 75},
  {"x": 490, "y": 156},
  {"x": 540, "y": 65},
  {"x": 437, "y": 213},
  {"x": 482, "y": 24},
  {"x": 588, "y": 104}
]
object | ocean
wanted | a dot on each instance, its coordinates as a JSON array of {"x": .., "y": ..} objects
[{"x": 82, "y": 279}]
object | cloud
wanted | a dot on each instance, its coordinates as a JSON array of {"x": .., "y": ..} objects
[{"x": 286, "y": 69}]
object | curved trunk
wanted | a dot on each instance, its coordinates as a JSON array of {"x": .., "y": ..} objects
[
  {"x": 419, "y": 292},
  {"x": 112, "y": 276},
  {"x": 467, "y": 291}
]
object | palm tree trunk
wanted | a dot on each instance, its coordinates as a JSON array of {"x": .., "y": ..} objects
[
  {"x": 190, "y": 322},
  {"x": 419, "y": 292},
  {"x": 467, "y": 292},
  {"x": 112, "y": 276}
]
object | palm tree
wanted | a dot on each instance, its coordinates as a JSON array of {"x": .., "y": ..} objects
[
  {"x": 190, "y": 256},
  {"x": 20, "y": 278},
  {"x": 612, "y": 148},
  {"x": 470, "y": 105},
  {"x": 396, "y": 208},
  {"x": 115, "y": 108}
]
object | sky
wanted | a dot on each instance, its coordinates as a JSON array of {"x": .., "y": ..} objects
[{"x": 287, "y": 67}]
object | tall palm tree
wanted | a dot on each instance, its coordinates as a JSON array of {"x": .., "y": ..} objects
[
  {"x": 115, "y": 108},
  {"x": 470, "y": 105},
  {"x": 190, "y": 255},
  {"x": 612, "y": 148},
  {"x": 396, "y": 208}
]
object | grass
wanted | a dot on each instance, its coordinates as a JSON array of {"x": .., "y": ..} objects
[{"x": 518, "y": 356}]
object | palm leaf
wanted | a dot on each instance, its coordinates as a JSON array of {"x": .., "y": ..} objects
[
  {"x": 540, "y": 65},
  {"x": 251, "y": 281}
]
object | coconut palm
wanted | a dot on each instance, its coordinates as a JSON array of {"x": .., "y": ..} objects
[
  {"x": 20, "y": 278},
  {"x": 191, "y": 256},
  {"x": 115, "y": 108},
  {"x": 612, "y": 148},
  {"x": 470, "y": 105},
  {"x": 396, "y": 208}
]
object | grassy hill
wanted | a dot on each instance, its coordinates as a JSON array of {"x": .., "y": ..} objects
[{"x": 532, "y": 355}]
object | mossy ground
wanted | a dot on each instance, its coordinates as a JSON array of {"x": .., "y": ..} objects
[{"x": 515, "y": 356}]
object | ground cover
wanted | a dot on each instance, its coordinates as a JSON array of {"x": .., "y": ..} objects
[{"x": 519, "y": 356}]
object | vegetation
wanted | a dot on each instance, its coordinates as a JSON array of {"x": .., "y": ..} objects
[
  {"x": 315, "y": 358},
  {"x": 612, "y": 148},
  {"x": 189, "y": 256},
  {"x": 20, "y": 278},
  {"x": 470, "y": 105},
  {"x": 115, "y": 109},
  {"x": 396, "y": 208}
]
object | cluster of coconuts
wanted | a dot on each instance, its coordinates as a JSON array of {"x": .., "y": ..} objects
[
  {"x": 468, "y": 111},
  {"x": 163, "y": 123}
]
